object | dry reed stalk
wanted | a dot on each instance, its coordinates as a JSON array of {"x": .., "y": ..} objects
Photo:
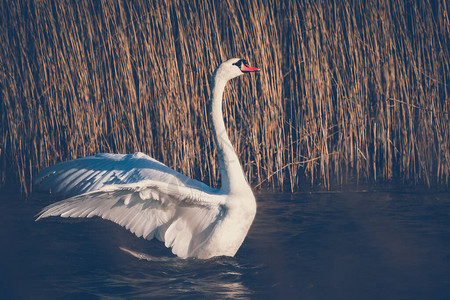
[{"x": 347, "y": 90}]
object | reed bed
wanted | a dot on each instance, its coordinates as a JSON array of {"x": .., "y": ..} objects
[{"x": 355, "y": 90}]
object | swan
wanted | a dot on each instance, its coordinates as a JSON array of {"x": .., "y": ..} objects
[{"x": 154, "y": 201}]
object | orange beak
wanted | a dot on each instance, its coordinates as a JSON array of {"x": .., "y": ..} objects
[{"x": 247, "y": 68}]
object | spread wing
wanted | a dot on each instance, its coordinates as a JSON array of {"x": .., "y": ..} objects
[
  {"x": 92, "y": 173},
  {"x": 182, "y": 217},
  {"x": 139, "y": 193}
]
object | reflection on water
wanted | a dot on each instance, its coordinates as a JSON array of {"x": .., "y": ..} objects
[
  {"x": 383, "y": 245},
  {"x": 174, "y": 277},
  {"x": 226, "y": 283},
  {"x": 168, "y": 278}
]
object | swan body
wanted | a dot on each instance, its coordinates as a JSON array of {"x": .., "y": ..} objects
[{"x": 154, "y": 201}]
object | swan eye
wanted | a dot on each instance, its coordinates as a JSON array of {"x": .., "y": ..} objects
[{"x": 240, "y": 62}]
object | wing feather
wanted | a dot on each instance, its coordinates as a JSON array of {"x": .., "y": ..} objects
[
  {"x": 182, "y": 217},
  {"x": 137, "y": 192},
  {"x": 92, "y": 173}
]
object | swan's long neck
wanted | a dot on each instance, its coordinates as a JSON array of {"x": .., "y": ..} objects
[{"x": 232, "y": 176}]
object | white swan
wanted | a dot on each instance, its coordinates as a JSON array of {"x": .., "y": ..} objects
[{"x": 152, "y": 200}]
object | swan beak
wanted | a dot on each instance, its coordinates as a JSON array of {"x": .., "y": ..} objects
[{"x": 247, "y": 68}]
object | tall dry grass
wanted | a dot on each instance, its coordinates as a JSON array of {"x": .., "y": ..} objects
[{"x": 355, "y": 90}]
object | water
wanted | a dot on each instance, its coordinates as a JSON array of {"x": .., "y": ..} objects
[{"x": 379, "y": 245}]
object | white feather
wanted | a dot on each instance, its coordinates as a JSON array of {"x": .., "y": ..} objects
[{"x": 181, "y": 226}]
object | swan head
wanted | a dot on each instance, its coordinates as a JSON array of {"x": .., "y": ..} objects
[{"x": 232, "y": 68}]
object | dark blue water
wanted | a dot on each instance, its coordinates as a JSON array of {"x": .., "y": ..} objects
[{"x": 379, "y": 245}]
